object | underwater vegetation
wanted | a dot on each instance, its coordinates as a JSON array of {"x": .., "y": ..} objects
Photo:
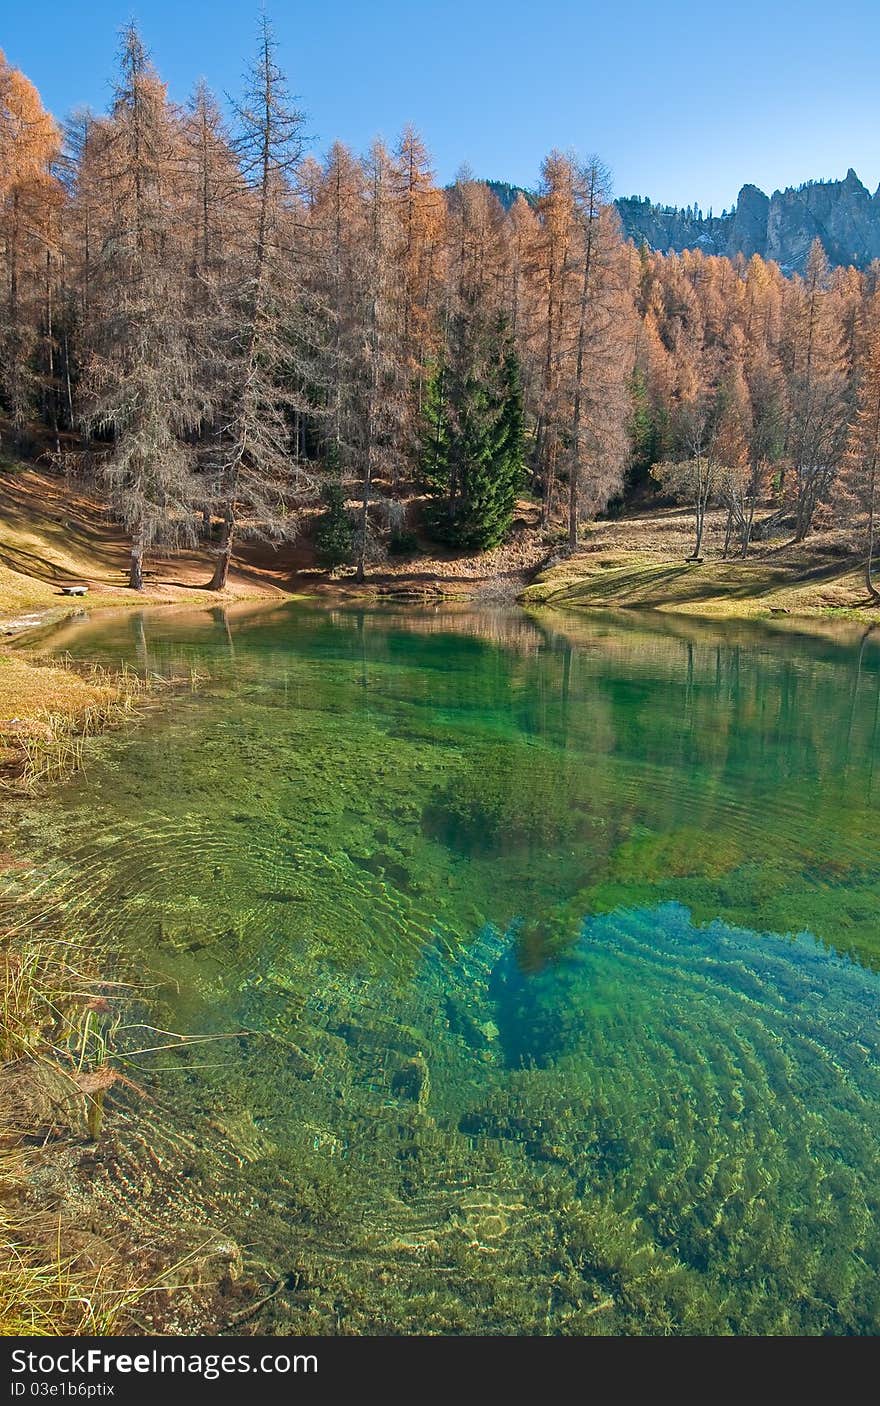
[
  {"x": 667, "y": 1129},
  {"x": 538, "y": 958}
]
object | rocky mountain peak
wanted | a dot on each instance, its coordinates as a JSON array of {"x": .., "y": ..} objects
[{"x": 842, "y": 214}]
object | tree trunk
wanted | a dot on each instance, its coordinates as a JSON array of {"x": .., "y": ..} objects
[
  {"x": 573, "y": 506},
  {"x": 224, "y": 556},
  {"x": 575, "y": 462},
  {"x": 700, "y": 505},
  {"x": 68, "y": 384},
  {"x": 806, "y": 507},
  {"x": 549, "y": 486},
  {"x": 748, "y": 521},
  {"x": 136, "y": 570},
  {"x": 869, "y": 560},
  {"x": 365, "y": 506}
]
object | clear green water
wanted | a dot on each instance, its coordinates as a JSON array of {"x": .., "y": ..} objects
[{"x": 554, "y": 947}]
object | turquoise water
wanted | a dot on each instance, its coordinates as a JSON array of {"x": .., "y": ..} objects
[{"x": 545, "y": 953}]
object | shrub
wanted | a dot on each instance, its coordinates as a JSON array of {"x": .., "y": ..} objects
[
  {"x": 334, "y": 539},
  {"x": 403, "y": 544}
]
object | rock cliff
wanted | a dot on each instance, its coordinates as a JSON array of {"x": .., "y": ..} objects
[{"x": 842, "y": 214}]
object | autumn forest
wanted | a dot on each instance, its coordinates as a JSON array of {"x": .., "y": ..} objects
[{"x": 215, "y": 330}]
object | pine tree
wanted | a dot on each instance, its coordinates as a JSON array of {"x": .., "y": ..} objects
[
  {"x": 596, "y": 368},
  {"x": 861, "y": 467},
  {"x": 255, "y": 469},
  {"x": 473, "y": 438},
  {"x": 334, "y": 538},
  {"x": 435, "y": 430},
  {"x": 30, "y": 202},
  {"x": 765, "y": 431},
  {"x": 213, "y": 194},
  {"x": 139, "y": 393},
  {"x": 381, "y": 380},
  {"x": 421, "y": 212},
  {"x": 334, "y": 219},
  {"x": 552, "y": 270},
  {"x": 818, "y": 389},
  {"x": 641, "y": 428}
]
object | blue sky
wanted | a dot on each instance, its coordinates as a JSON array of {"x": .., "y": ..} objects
[{"x": 684, "y": 102}]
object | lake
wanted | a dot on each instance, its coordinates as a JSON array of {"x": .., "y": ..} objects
[{"x": 543, "y": 950}]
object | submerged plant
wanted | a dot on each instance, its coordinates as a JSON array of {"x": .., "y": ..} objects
[
  {"x": 532, "y": 1045},
  {"x": 51, "y": 745}
]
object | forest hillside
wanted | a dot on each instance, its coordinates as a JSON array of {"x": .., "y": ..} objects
[{"x": 251, "y": 359}]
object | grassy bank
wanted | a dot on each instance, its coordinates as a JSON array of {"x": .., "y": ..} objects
[
  {"x": 57, "y": 1024},
  {"x": 47, "y": 711},
  {"x": 65, "y": 1267},
  {"x": 641, "y": 562},
  {"x": 61, "y": 1272},
  {"x": 52, "y": 535},
  {"x": 54, "y": 707},
  {"x": 55, "y": 1071}
]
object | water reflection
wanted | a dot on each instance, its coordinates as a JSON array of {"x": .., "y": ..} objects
[{"x": 533, "y": 924}]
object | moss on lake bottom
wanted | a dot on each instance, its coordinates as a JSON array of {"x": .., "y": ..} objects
[
  {"x": 525, "y": 962},
  {"x": 668, "y": 1129}
]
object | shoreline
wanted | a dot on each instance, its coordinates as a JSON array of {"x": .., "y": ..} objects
[
  {"x": 63, "y": 1271},
  {"x": 211, "y": 1294},
  {"x": 631, "y": 568},
  {"x": 594, "y": 579}
]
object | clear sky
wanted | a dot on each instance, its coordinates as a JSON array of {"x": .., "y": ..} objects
[{"x": 684, "y": 101}]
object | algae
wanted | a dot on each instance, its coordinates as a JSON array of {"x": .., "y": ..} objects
[{"x": 531, "y": 954}]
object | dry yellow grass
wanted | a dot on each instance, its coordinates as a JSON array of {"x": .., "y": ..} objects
[
  {"x": 52, "y": 534},
  {"x": 57, "y": 1276},
  {"x": 27, "y": 688},
  {"x": 55, "y": 1033},
  {"x": 65, "y": 1267},
  {"x": 56, "y": 1021},
  {"x": 641, "y": 561},
  {"x": 42, "y": 704}
]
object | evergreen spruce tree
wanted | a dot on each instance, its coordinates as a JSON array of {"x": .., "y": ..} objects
[
  {"x": 434, "y": 436},
  {"x": 642, "y": 429},
  {"x": 472, "y": 438},
  {"x": 334, "y": 539}
]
